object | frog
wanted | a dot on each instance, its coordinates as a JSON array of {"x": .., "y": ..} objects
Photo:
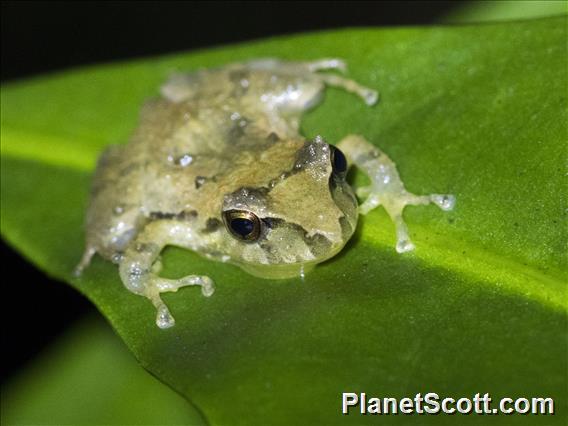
[{"x": 218, "y": 166}]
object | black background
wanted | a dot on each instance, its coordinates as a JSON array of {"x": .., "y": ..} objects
[{"x": 39, "y": 37}]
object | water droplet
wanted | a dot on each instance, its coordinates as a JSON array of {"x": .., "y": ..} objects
[{"x": 185, "y": 160}]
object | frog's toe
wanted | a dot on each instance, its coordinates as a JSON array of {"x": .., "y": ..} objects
[
  {"x": 207, "y": 287},
  {"x": 445, "y": 201},
  {"x": 85, "y": 261},
  {"x": 370, "y": 96},
  {"x": 328, "y": 64},
  {"x": 164, "y": 318},
  {"x": 78, "y": 271},
  {"x": 403, "y": 242},
  {"x": 404, "y": 245}
]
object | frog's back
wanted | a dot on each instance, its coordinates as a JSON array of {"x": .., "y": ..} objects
[
  {"x": 194, "y": 134},
  {"x": 175, "y": 150}
]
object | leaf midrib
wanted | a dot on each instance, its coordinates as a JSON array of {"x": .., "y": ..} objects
[
  {"x": 548, "y": 288},
  {"x": 78, "y": 157}
]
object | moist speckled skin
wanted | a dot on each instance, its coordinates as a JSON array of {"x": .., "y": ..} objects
[{"x": 224, "y": 143}]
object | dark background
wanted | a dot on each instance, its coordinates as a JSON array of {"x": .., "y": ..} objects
[{"x": 40, "y": 37}]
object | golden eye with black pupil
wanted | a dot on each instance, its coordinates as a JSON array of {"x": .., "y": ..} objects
[
  {"x": 242, "y": 224},
  {"x": 338, "y": 162}
]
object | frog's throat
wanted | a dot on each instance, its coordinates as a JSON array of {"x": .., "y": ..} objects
[
  {"x": 285, "y": 270},
  {"x": 276, "y": 272}
]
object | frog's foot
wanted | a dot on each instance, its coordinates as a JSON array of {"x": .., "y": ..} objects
[
  {"x": 386, "y": 188},
  {"x": 85, "y": 260},
  {"x": 394, "y": 204},
  {"x": 140, "y": 265},
  {"x": 158, "y": 285}
]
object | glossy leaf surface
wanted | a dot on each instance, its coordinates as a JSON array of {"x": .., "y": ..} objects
[{"x": 480, "y": 305}]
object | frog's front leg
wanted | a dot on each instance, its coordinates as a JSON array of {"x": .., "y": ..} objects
[
  {"x": 386, "y": 188},
  {"x": 139, "y": 267}
]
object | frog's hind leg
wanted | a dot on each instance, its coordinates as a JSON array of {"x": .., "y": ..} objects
[
  {"x": 368, "y": 95},
  {"x": 327, "y": 64},
  {"x": 85, "y": 260},
  {"x": 139, "y": 272},
  {"x": 297, "y": 68},
  {"x": 386, "y": 188}
]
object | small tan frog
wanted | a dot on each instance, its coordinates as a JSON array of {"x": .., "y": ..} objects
[{"x": 217, "y": 166}]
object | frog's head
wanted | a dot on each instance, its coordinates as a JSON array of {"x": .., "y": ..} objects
[{"x": 301, "y": 218}]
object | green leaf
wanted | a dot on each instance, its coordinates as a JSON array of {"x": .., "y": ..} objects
[
  {"x": 480, "y": 305},
  {"x": 499, "y": 10},
  {"x": 64, "y": 386}
]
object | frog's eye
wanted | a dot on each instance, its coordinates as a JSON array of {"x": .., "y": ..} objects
[
  {"x": 242, "y": 224},
  {"x": 338, "y": 162}
]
